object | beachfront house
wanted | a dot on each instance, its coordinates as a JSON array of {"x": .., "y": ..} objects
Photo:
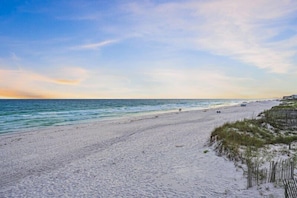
[{"x": 292, "y": 97}]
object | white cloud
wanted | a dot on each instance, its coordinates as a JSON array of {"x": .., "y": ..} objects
[
  {"x": 95, "y": 46},
  {"x": 242, "y": 30},
  {"x": 60, "y": 83},
  {"x": 195, "y": 83}
]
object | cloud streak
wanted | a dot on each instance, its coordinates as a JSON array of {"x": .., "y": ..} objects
[
  {"x": 67, "y": 81},
  {"x": 94, "y": 46},
  {"x": 15, "y": 93},
  {"x": 196, "y": 83},
  {"x": 37, "y": 85},
  {"x": 241, "y": 30}
]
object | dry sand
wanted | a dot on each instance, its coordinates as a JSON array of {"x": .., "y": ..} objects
[{"x": 149, "y": 156}]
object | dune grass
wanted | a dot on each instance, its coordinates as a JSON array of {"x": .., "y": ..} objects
[{"x": 234, "y": 138}]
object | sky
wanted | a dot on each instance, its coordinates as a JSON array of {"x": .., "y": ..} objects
[{"x": 148, "y": 48}]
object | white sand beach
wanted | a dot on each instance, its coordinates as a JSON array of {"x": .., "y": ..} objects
[{"x": 160, "y": 155}]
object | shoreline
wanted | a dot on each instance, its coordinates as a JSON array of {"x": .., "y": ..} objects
[
  {"x": 153, "y": 156},
  {"x": 141, "y": 115},
  {"x": 19, "y": 123}
]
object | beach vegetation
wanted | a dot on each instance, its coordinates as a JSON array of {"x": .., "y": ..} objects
[
  {"x": 255, "y": 145},
  {"x": 242, "y": 140}
]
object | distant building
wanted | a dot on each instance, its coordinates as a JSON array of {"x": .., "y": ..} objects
[{"x": 292, "y": 97}]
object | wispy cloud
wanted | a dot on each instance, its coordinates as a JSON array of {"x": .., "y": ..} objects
[
  {"x": 14, "y": 57},
  {"x": 67, "y": 81},
  {"x": 29, "y": 76},
  {"x": 195, "y": 83},
  {"x": 38, "y": 85},
  {"x": 69, "y": 75},
  {"x": 210, "y": 82},
  {"x": 16, "y": 93},
  {"x": 241, "y": 30},
  {"x": 83, "y": 17},
  {"x": 94, "y": 46}
]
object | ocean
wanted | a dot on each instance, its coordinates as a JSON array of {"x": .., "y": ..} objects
[{"x": 25, "y": 114}]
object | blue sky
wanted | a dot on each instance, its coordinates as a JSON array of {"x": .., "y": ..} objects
[{"x": 148, "y": 48}]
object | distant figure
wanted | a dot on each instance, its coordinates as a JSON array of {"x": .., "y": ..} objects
[
  {"x": 218, "y": 111},
  {"x": 180, "y": 110}
]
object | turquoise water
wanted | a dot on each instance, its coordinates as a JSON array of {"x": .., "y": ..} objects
[{"x": 17, "y": 115}]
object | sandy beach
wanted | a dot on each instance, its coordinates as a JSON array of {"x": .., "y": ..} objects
[{"x": 162, "y": 155}]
